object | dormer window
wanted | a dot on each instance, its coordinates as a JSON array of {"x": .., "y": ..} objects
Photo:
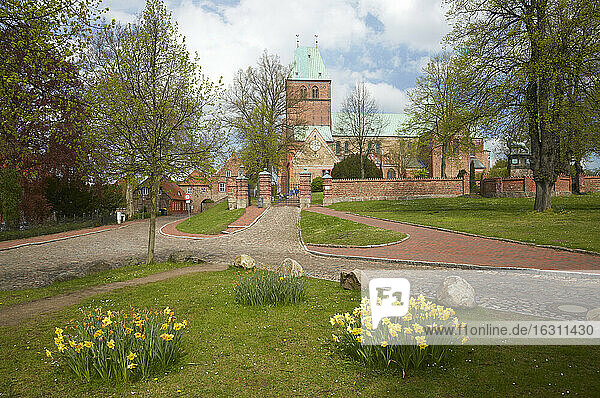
[{"x": 315, "y": 92}]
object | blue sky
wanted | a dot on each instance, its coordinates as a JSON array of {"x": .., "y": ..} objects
[{"x": 384, "y": 43}]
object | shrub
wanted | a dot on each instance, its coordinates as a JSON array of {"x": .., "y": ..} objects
[
  {"x": 266, "y": 287},
  {"x": 421, "y": 173},
  {"x": 120, "y": 345},
  {"x": 400, "y": 345},
  {"x": 317, "y": 185},
  {"x": 350, "y": 168}
]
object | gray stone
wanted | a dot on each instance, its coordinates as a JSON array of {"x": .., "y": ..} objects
[
  {"x": 290, "y": 267},
  {"x": 593, "y": 315},
  {"x": 184, "y": 256},
  {"x": 455, "y": 292},
  {"x": 244, "y": 261},
  {"x": 65, "y": 276},
  {"x": 350, "y": 280},
  {"x": 98, "y": 266}
]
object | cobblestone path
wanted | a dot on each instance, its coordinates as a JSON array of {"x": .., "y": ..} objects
[{"x": 274, "y": 237}]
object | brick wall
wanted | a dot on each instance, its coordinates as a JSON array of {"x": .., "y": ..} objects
[
  {"x": 392, "y": 189},
  {"x": 590, "y": 184},
  {"x": 520, "y": 186},
  {"x": 311, "y": 111}
]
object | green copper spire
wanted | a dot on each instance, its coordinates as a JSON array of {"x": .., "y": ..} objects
[{"x": 308, "y": 65}]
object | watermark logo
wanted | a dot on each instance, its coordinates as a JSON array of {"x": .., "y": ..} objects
[{"x": 388, "y": 297}]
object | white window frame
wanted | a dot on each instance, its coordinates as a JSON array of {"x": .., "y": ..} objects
[
  {"x": 189, "y": 190},
  {"x": 221, "y": 187},
  {"x": 228, "y": 173}
]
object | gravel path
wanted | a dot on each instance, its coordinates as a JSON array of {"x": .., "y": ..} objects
[{"x": 275, "y": 237}]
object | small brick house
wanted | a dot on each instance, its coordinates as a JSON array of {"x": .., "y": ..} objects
[{"x": 171, "y": 198}]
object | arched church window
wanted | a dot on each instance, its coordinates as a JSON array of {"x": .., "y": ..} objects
[
  {"x": 302, "y": 92},
  {"x": 391, "y": 173},
  {"x": 315, "y": 92}
]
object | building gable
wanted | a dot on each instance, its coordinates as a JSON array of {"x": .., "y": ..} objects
[{"x": 315, "y": 151}]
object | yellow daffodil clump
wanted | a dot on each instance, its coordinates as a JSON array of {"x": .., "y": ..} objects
[
  {"x": 113, "y": 345},
  {"x": 396, "y": 342}
]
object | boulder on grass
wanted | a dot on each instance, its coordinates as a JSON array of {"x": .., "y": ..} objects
[
  {"x": 244, "y": 261},
  {"x": 290, "y": 267},
  {"x": 455, "y": 292},
  {"x": 350, "y": 280},
  {"x": 593, "y": 315}
]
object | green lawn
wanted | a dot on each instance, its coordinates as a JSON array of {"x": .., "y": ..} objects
[
  {"x": 316, "y": 198},
  {"x": 320, "y": 228},
  {"x": 574, "y": 221},
  {"x": 100, "y": 278},
  {"x": 211, "y": 221},
  {"x": 234, "y": 350},
  {"x": 47, "y": 229}
]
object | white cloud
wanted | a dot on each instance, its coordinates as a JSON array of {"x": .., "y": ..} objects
[
  {"x": 419, "y": 24},
  {"x": 237, "y": 38},
  {"x": 389, "y": 98},
  {"x": 236, "y": 35}
]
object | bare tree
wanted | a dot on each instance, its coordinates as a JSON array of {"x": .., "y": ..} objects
[
  {"x": 402, "y": 153},
  {"x": 261, "y": 112},
  {"x": 361, "y": 120}
]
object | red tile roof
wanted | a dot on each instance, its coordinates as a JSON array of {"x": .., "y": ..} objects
[
  {"x": 195, "y": 178},
  {"x": 172, "y": 190}
]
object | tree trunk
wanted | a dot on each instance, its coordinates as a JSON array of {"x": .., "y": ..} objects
[
  {"x": 443, "y": 165},
  {"x": 129, "y": 199},
  {"x": 543, "y": 191},
  {"x": 362, "y": 166},
  {"x": 578, "y": 173},
  {"x": 152, "y": 228}
]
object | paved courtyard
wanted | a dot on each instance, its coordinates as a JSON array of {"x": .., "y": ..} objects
[{"x": 276, "y": 236}]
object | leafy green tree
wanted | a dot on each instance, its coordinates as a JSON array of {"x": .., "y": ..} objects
[
  {"x": 499, "y": 169},
  {"x": 537, "y": 52},
  {"x": 155, "y": 115},
  {"x": 316, "y": 184},
  {"x": 352, "y": 167},
  {"x": 10, "y": 196},
  {"x": 447, "y": 105},
  {"x": 40, "y": 101}
]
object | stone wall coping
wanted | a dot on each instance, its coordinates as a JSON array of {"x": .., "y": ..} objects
[{"x": 395, "y": 179}]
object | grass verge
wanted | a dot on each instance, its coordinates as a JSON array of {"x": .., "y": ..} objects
[
  {"x": 48, "y": 229},
  {"x": 574, "y": 221},
  {"x": 324, "y": 229},
  {"x": 235, "y": 350},
  {"x": 316, "y": 198},
  {"x": 100, "y": 278},
  {"x": 211, "y": 221}
]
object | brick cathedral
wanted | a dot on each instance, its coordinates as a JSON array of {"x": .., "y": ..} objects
[{"x": 320, "y": 141}]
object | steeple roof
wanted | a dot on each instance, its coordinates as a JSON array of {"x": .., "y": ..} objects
[{"x": 308, "y": 65}]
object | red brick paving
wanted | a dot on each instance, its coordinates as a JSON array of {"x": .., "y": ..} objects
[
  {"x": 8, "y": 244},
  {"x": 249, "y": 216},
  {"x": 430, "y": 245}
]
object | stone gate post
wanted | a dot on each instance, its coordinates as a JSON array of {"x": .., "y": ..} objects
[
  {"x": 231, "y": 193},
  {"x": 327, "y": 198},
  {"x": 264, "y": 187},
  {"x": 304, "y": 193},
  {"x": 243, "y": 193}
]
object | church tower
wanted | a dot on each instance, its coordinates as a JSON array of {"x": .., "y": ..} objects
[{"x": 308, "y": 89}]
